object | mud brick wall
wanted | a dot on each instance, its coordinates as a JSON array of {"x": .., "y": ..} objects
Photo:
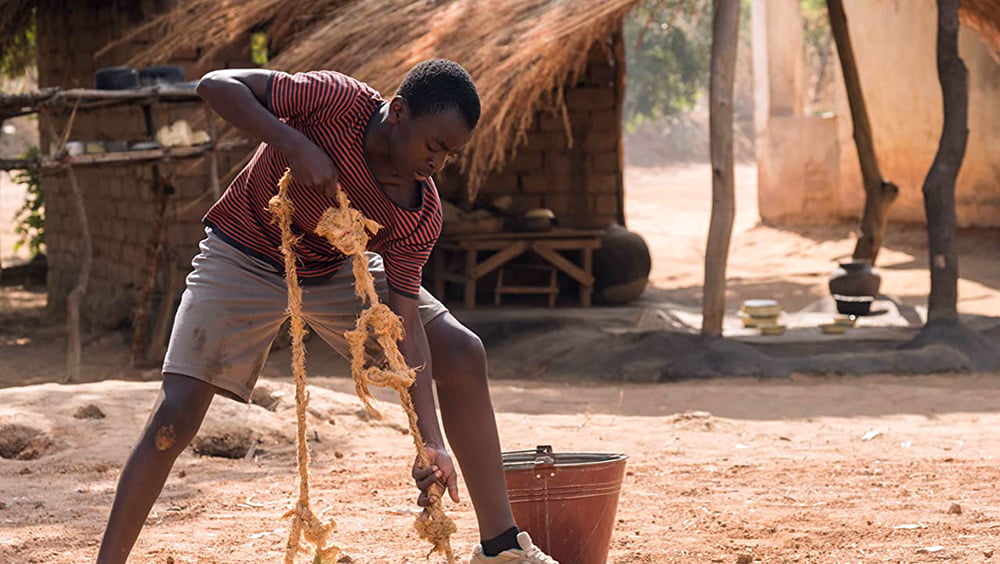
[
  {"x": 122, "y": 203},
  {"x": 582, "y": 184}
]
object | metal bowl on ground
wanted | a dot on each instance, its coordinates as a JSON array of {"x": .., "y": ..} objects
[
  {"x": 774, "y": 329},
  {"x": 833, "y": 328},
  {"x": 846, "y": 320},
  {"x": 753, "y": 322},
  {"x": 761, "y": 308}
]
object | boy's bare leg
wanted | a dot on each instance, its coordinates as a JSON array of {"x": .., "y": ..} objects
[
  {"x": 459, "y": 363},
  {"x": 174, "y": 421}
]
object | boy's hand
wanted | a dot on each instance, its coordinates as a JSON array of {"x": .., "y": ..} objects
[
  {"x": 433, "y": 480},
  {"x": 312, "y": 167}
]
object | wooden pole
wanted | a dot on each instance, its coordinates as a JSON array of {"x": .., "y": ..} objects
[
  {"x": 939, "y": 186},
  {"x": 725, "y": 37},
  {"x": 879, "y": 194},
  {"x": 78, "y": 292},
  {"x": 213, "y": 158},
  {"x": 618, "y": 49},
  {"x": 154, "y": 250}
]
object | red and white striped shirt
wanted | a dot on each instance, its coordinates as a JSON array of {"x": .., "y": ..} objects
[{"x": 332, "y": 110}]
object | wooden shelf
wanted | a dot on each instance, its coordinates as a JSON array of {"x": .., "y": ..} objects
[
  {"x": 12, "y": 105},
  {"x": 166, "y": 93},
  {"x": 124, "y": 156}
]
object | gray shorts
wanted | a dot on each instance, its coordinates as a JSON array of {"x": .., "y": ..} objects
[{"x": 235, "y": 304}]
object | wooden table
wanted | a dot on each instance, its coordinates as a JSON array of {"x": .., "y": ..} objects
[{"x": 548, "y": 245}]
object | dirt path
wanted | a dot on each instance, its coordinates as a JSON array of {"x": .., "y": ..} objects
[
  {"x": 670, "y": 206},
  {"x": 778, "y": 470},
  {"x": 774, "y": 469}
]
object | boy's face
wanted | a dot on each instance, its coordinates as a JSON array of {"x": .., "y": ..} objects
[{"x": 420, "y": 147}]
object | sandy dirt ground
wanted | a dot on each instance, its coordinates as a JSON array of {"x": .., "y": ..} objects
[
  {"x": 670, "y": 206},
  {"x": 728, "y": 470},
  {"x": 779, "y": 471}
]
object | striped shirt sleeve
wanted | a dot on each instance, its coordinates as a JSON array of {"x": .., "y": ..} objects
[
  {"x": 311, "y": 97},
  {"x": 404, "y": 265}
]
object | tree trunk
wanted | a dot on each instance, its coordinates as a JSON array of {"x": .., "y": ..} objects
[
  {"x": 939, "y": 186},
  {"x": 879, "y": 194},
  {"x": 725, "y": 37}
]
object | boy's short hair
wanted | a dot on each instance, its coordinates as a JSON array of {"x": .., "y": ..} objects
[{"x": 437, "y": 85}]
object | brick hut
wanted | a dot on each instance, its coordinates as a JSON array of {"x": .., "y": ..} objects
[
  {"x": 124, "y": 201},
  {"x": 550, "y": 73}
]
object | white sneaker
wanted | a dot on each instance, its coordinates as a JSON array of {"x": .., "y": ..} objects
[{"x": 527, "y": 554}]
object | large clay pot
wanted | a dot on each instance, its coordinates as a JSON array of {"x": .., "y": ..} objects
[
  {"x": 621, "y": 266},
  {"x": 855, "y": 278}
]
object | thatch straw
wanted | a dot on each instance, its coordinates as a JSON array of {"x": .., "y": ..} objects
[
  {"x": 983, "y": 17},
  {"x": 520, "y": 52}
]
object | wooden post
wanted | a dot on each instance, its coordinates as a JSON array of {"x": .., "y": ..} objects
[
  {"x": 213, "y": 158},
  {"x": 879, "y": 194},
  {"x": 939, "y": 186},
  {"x": 144, "y": 301},
  {"x": 470, "y": 278},
  {"x": 725, "y": 37},
  {"x": 618, "y": 49},
  {"x": 78, "y": 292}
]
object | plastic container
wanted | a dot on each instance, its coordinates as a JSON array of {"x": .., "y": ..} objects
[
  {"x": 116, "y": 78},
  {"x": 161, "y": 74},
  {"x": 566, "y": 501}
]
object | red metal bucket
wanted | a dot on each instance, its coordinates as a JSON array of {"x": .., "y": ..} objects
[{"x": 566, "y": 501}]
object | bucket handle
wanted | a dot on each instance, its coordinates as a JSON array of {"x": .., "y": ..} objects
[
  {"x": 545, "y": 462},
  {"x": 544, "y": 457}
]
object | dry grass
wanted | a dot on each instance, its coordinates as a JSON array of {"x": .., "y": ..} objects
[
  {"x": 983, "y": 17},
  {"x": 520, "y": 52}
]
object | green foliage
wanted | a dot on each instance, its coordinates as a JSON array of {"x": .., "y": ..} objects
[
  {"x": 19, "y": 51},
  {"x": 668, "y": 50},
  {"x": 258, "y": 48},
  {"x": 30, "y": 219},
  {"x": 815, "y": 24}
]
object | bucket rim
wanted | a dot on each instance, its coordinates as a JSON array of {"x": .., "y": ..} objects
[{"x": 528, "y": 458}]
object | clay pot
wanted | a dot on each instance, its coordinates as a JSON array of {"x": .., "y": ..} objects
[
  {"x": 621, "y": 266},
  {"x": 855, "y": 278}
]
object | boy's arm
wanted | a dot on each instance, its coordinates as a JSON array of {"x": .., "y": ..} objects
[
  {"x": 240, "y": 97},
  {"x": 417, "y": 353}
]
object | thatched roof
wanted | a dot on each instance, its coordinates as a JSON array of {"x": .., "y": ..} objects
[
  {"x": 983, "y": 17},
  {"x": 520, "y": 52}
]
